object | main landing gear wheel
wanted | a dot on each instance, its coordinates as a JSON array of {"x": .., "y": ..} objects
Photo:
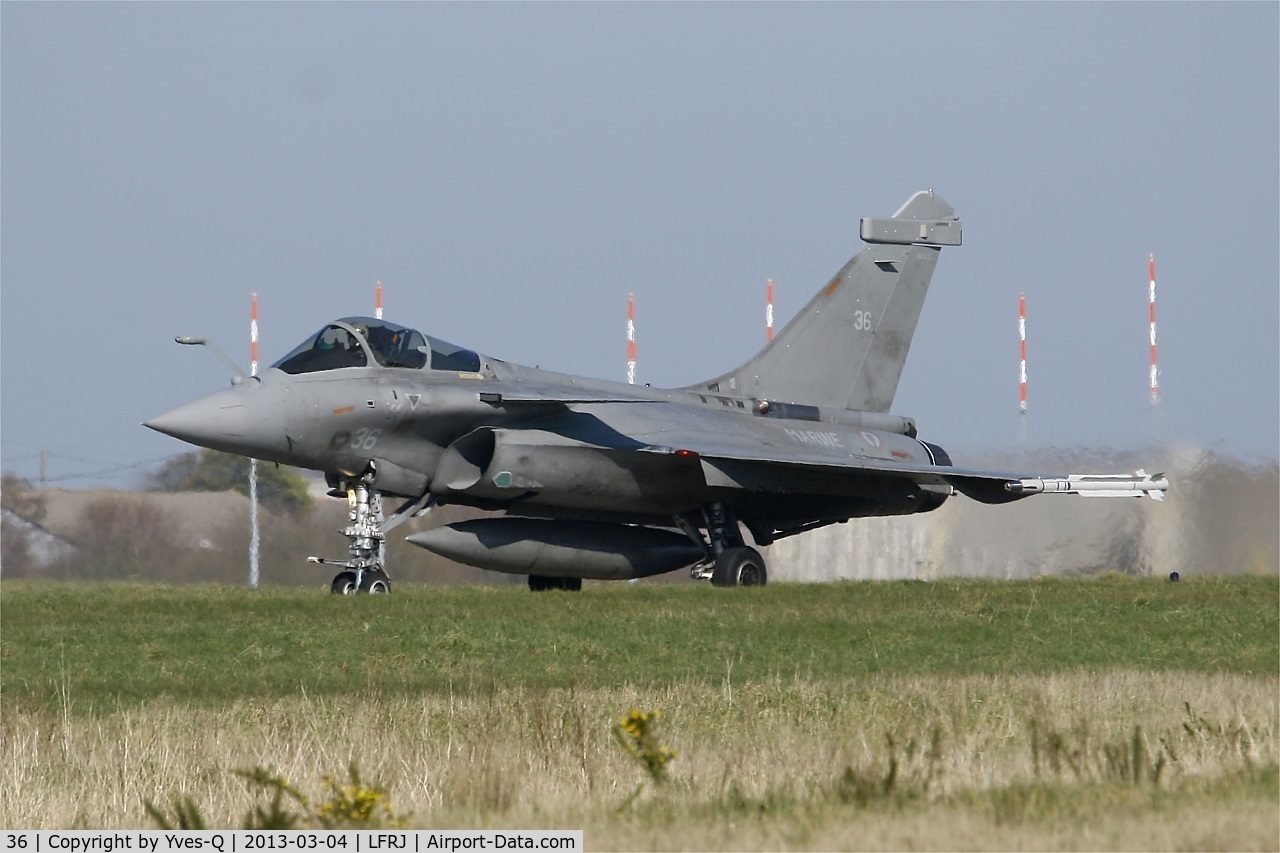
[
  {"x": 739, "y": 566},
  {"x": 542, "y": 583}
]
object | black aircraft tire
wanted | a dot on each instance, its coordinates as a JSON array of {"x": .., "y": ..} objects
[
  {"x": 375, "y": 582},
  {"x": 542, "y": 583},
  {"x": 740, "y": 566},
  {"x": 344, "y": 584}
]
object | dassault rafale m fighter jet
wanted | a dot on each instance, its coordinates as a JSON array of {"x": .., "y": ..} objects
[{"x": 606, "y": 480}]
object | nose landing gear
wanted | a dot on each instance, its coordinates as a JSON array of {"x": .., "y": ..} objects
[
  {"x": 364, "y": 570},
  {"x": 366, "y": 543}
]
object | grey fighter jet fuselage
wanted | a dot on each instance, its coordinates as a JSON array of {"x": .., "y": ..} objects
[{"x": 602, "y": 479}]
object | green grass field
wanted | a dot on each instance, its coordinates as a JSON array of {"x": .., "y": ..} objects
[{"x": 1052, "y": 714}]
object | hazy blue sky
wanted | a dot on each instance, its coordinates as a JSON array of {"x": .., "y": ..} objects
[{"x": 510, "y": 172}]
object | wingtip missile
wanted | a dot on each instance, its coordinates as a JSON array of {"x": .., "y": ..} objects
[{"x": 1135, "y": 485}]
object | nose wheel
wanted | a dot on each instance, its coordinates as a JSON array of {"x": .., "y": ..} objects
[
  {"x": 373, "y": 581},
  {"x": 364, "y": 570}
]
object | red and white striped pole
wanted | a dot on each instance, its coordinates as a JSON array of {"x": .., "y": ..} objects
[
  {"x": 253, "y": 335},
  {"x": 768, "y": 310},
  {"x": 377, "y": 301},
  {"x": 254, "y": 538},
  {"x": 1022, "y": 353},
  {"x": 631, "y": 338},
  {"x": 1151, "y": 291}
]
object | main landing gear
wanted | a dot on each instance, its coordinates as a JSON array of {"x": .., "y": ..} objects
[
  {"x": 730, "y": 561},
  {"x": 364, "y": 570},
  {"x": 542, "y": 583}
]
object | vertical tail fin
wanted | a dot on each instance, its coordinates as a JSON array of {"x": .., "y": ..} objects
[{"x": 846, "y": 348}]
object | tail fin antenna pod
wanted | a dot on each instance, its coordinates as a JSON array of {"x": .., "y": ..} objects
[{"x": 847, "y": 347}]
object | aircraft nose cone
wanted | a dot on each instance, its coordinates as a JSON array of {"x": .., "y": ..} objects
[
  {"x": 234, "y": 420},
  {"x": 209, "y": 418}
]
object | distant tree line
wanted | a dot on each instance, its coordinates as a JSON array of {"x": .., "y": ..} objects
[{"x": 280, "y": 488}]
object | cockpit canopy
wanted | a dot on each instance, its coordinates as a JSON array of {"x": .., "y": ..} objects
[{"x": 353, "y": 341}]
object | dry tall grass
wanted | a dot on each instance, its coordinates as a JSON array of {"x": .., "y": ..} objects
[{"x": 1111, "y": 760}]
